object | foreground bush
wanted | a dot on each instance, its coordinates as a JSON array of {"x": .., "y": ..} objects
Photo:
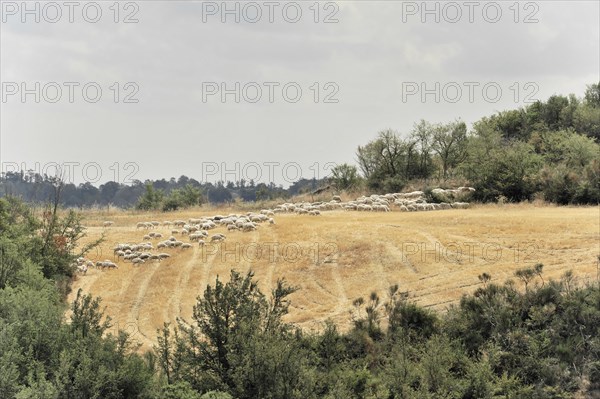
[{"x": 502, "y": 341}]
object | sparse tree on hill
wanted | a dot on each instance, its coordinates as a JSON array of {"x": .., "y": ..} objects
[
  {"x": 152, "y": 198},
  {"x": 450, "y": 143},
  {"x": 344, "y": 177}
]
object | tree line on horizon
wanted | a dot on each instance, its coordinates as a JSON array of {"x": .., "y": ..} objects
[
  {"x": 547, "y": 150},
  {"x": 151, "y": 194}
]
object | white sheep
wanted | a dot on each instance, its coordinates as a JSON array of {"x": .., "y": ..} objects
[
  {"x": 109, "y": 264},
  {"x": 217, "y": 237},
  {"x": 208, "y": 225},
  {"x": 82, "y": 269},
  {"x": 197, "y": 235},
  {"x": 249, "y": 226}
]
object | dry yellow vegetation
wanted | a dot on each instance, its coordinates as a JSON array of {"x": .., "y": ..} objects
[{"x": 338, "y": 256}]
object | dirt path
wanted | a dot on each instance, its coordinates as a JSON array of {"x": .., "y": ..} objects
[
  {"x": 343, "y": 302},
  {"x": 396, "y": 252},
  {"x": 133, "y": 316},
  {"x": 183, "y": 279}
]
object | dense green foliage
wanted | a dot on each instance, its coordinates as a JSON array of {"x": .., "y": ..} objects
[
  {"x": 500, "y": 342},
  {"x": 155, "y": 199},
  {"x": 42, "y": 355},
  {"x": 549, "y": 149},
  {"x": 48, "y": 242}
]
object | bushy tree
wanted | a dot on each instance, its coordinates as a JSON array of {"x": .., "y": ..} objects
[
  {"x": 238, "y": 342},
  {"x": 51, "y": 242},
  {"x": 345, "y": 177},
  {"x": 152, "y": 199},
  {"x": 497, "y": 168},
  {"x": 450, "y": 144},
  {"x": 592, "y": 95},
  {"x": 389, "y": 161},
  {"x": 569, "y": 174}
]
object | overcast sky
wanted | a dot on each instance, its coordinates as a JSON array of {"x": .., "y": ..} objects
[{"x": 368, "y": 65}]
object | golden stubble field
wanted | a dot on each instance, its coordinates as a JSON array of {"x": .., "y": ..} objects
[{"x": 334, "y": 258}]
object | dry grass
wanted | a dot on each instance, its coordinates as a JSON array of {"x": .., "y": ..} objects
[{"x": 436, "y": 256}]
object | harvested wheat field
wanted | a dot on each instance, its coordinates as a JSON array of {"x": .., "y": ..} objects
[{"x": 338, "y": 256}]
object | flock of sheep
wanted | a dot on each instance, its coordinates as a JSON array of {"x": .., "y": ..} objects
[
  {"x": 406, "y": 202},
  {"x": 82, "y": 264},
  {"x": 196, "y": 229}
]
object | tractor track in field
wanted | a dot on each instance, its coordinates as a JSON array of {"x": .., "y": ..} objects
[
  {"x": 183, "y": 279},
  {"x": 133, "y": 316}
]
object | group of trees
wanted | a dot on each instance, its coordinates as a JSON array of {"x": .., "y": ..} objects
[
  {"x": 547, "y": 148},
  {"x": 48, "y": 240},
  {"x": 538, "y": 339},
  {"x": 390, "y": 161},
  {"x": 154, "y": 199},
  {"x": 152, "y": 194},
  {"x": 42, "y": 355}
]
